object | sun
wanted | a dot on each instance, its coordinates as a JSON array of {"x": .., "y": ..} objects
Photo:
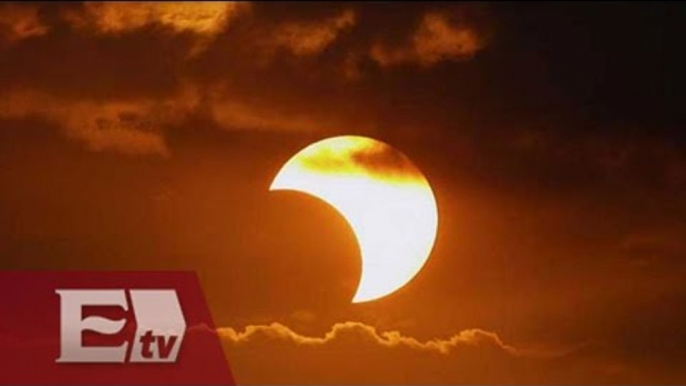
[{"x": 385, "y": 199}]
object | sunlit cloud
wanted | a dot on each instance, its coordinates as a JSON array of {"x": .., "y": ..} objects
[
  {"x": 390, "y": 339},
  {"x": 350, "y": 331},
  {"x": 205, "y": 18}
]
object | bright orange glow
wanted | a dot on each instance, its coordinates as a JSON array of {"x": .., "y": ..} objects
[{"x": 381, "y": 194}]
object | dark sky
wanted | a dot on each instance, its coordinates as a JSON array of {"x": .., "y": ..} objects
[{"x": 145, "y": 136}]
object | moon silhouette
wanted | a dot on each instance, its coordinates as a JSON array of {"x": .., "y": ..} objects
[{"x": 385, "y": 199}]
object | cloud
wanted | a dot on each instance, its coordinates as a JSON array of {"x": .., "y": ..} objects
[
  {"x": 390, "y": 339},
  {"x": 363, "y": 156},
  {"x": 137, "y": 125},
  {"x": 249, "y": 109},
  {"x": 231, "y": 113},
  {"x": 357, "y": 353},
  {"x": 306, "y": 38},
  {"x": 19, "y": 22},
  {"x": 128, "y": 126},
  {"x": 436, "y": 39},
  {"x": 605, "y": 153},
  {"x": 115, "y": 85},
  {"x": 204, "y": 18},
  {"x": 661, "y": 247}
]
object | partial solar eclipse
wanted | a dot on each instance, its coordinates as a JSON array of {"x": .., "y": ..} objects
[{"x": 385, "y": 199}]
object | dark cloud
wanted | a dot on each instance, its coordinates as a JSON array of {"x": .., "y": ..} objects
[
  {"x": 251, "y": 67},
  {"x": 19, "y": 22},
  {"x": 310, "y": 38},
  {"x": 435, "y": 40},
  {"x": 362, "y": 155}
]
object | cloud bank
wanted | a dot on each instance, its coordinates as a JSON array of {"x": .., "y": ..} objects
[
  {"x": 390, "y": 339},
  {"x": 124, "y": 70},
  {"x": 355, "y": 352}
]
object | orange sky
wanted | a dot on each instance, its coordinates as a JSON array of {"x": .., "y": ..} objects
[{"x": 146, "y": 136}]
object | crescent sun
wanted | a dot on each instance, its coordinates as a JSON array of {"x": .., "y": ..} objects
[{"x": 385, "y": 199}]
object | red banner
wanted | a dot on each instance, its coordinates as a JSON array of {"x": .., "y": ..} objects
[{"x": 107, "y": 328}]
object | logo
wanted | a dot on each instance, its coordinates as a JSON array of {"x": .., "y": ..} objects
[{"x": 159, "y": 320}]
